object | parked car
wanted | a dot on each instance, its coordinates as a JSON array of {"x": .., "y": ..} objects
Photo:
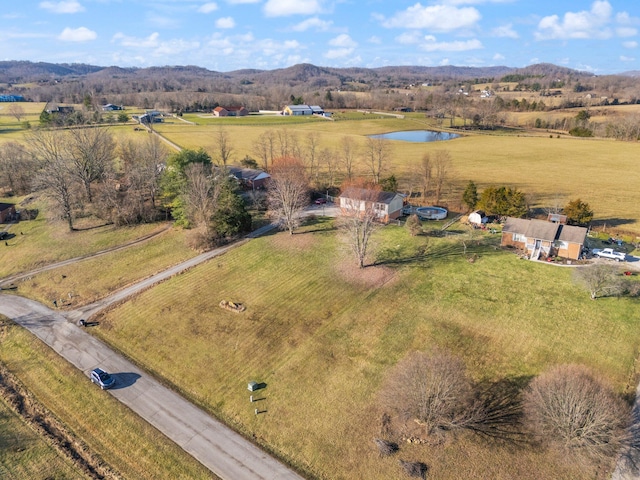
[
  {"x": 610, "y": 253},
  {"x": 102, "y": 378},
  {"x": 321, "y": 201}
]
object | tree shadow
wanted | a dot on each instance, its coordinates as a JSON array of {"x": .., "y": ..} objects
[
  {"x": 428, "y": 253},
  {"x": 612, "y": 222},
  {"x": 499, "y": 411},
  {"x": 84, "y": 229}
]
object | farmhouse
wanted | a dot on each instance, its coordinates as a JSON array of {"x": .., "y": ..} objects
[
  {"x": 387, "y": 205},
  {"x": 7, "y": 212},
  {"x": 250, "y": 178},
  {"x": 109, "y": 107},
  {"x": 539, "y": 237},
  {"x": 231, "y": 111}
]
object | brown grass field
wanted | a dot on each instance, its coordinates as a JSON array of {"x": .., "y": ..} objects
[{"x": 322, "y": 335}]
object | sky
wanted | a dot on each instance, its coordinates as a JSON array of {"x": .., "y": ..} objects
[{"x": 599, "y": 36}]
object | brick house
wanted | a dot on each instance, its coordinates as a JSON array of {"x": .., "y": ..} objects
[{"x": 541, "y": 238}]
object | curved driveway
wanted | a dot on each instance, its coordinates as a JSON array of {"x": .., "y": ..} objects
[{"x": 217, "y": 447}]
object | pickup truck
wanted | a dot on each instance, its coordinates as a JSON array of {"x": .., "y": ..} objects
[{"x": 610, "y": 253}]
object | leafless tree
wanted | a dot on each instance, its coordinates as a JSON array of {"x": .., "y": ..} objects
[
  {"x": 414, "y": 225},
  {"x": 54, "y": 175},
  {"x": 568, "y": 408},
  {"x": 200, "y": 193},
  {"x": 348, "y": 155},
  {"x": 359, "y": 218},
  {"x": 377, "y": 156},
  {"x": 224, "y": 148},
  {"x": 600, "y": 279},
  {"x": 17, "y": 167},
  {"x": 263, "y": 148},
  {"x": 91, "y": 151},
  {"x": 441, "y": 169},
  {"x": 425, "y": 173},
  {"x": 288, "y": 192},
  {"x": 16, "y": 111},
  {"x": 431, "y": 390},
  {"x": 312, "y": 155},
  {"x": 328, "y": 159}
]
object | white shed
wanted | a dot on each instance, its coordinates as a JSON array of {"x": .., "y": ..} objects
[{"x": 478, "y": 218}]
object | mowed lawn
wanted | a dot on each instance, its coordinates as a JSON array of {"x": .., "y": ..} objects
[
  {"x": 323, "y": 335},
  {"x": 601, "y": 172},
  {"x": 109, "y": 430}
]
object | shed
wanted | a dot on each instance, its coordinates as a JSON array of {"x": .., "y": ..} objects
[
  {"x": 478, "y": 218},
  {"x": 7, "y": 212}
]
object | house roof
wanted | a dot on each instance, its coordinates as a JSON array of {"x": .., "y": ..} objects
[
  {"x": 299, "y": 108},
  {"x": 515, "y": 225},
  {"x": 230, "y": 108},
  {"x": 572, "y": 234},
  {"x": 6, "y": 206},
  {"x": 248, "y": 174},
  {"x": 368, "y": 195},
  {"x": 542, "y": 230}
]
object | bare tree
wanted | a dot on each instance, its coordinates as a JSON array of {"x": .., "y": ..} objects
[
  {"x": 431, "y": 390},
  {"x": 328, "y": 158},
  {"x": 376, "y": 156},
  {"x": 225, "y": 149},
  {"x": 91, "y": 151},
  {"x": 348, "y": 156},
  {"x": 16, "y": 168},
  {"x": 425, "y": 173},
  {"x": 48, "y": 147},
  {"x": 441, "y": 169},
  {"x": 17, "y": 111},
  {"x": 567, "y": 407},
  {"x": 263, "y": 148},
  {"x": 288, "y": 192},
  {"x": 312, "y": 155},
  {"x": 601, "y": 280},
  {"x": 359, "y": 218},
  {"x": 200, "y": 193}
]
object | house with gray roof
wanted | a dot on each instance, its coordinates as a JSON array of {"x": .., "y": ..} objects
[
  {"x": 540, "y": 238},
  {"x": 387, "y": 205}
]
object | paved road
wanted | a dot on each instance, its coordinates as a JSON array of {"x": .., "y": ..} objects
[{"x": 217, "y": 447}]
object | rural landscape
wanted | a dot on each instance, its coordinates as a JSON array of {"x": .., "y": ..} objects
[{"x": 259, "y": 243}]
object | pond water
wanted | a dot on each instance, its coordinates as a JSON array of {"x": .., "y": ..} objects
[{"x": 417, "y": 136}]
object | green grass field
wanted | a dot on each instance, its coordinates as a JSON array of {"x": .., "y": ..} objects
[
  {"x": 24, "y": 455},
  {"x": 128, "y": 444},
  {"x": 322, "y": 335}
]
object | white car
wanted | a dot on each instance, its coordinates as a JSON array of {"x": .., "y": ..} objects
[{"x": 611, "y": 254}]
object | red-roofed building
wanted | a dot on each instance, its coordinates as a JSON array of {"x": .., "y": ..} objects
[{"x": 232, "y": 111}]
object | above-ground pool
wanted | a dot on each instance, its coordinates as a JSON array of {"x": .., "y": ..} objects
[{"x": 431, "y": 213}]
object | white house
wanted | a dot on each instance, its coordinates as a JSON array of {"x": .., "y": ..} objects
[{"x": 387, "y": 205}]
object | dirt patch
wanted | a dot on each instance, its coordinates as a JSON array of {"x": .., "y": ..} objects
[
  {"x": 298, "y": 242},
  {"x": 374, "y": 276},
  {"x": 44, "y": 423}
]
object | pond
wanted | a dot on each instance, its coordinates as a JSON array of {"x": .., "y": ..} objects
[{"x": 417, "y": 136}]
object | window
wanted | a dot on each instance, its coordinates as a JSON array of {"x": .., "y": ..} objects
[
  {"x": 380, "y": 207},
  {"x": 561, "y": 244},
  {"x": 519, "y": 237}
]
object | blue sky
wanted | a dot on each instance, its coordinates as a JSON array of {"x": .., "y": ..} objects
[{"x": 600, "y": 36}]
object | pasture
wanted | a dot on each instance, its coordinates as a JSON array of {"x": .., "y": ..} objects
[
  {"x": 323, "y": 335},
  {"x": 601, "y": 172}
]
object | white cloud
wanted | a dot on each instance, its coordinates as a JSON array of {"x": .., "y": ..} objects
[
  {"x": 239, "y": 2},
  {"x": 225, "y": 22},
  {"x": 630, "y": 44},
  {"x": 283, "y": 8},
  {"x": 498, "y": 57},
  {"x": 208, "y": 7},
  {"x": 375, "y": 40},
  {"x": 506, "y": 31},
  {"x": 126, "y": 41},
  {"x": 174, "y": 47},
  {"x": 624, "y": 58},
  {"x": 313, "y": 22},
  {"x": 408, "y": 38},
  {"x": 583, "y": 24},
  {"x": 338, "y": 53},
  {"x": 69, "y": 6},
  {"x": 439, "y": 18},
  {"x": 431, "y": 45},
  {"x": 81, "y": 34},
  {"x": 626, "y": 32},
  {"x": 344, "y": 41}
]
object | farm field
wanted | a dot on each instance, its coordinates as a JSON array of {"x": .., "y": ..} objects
[
  {"x": 600, "y": 172},
  {"x": 95, "y": 418},
  {"x": 323, "y": 335}
]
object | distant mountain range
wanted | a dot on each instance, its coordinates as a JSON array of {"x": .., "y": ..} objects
[{"x": 24, "y": 71}]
